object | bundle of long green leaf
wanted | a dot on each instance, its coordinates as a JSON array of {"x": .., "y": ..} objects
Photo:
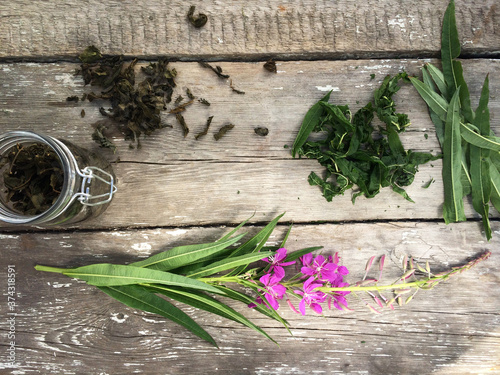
[
  {"x": 181, "y": 275},
  {"x": 471, "y": 152},
  {"x": 353, "y": 153}
]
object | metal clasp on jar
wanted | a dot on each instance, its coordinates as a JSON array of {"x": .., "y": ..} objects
[{"x": 85, "y": 196}]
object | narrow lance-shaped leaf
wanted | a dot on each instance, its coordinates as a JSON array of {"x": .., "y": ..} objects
[
  {"x": 184, "y": 255},
  {"x": 256, "y": 242},
  {"x": 453, "y": 208},
  {"x": 241, "y": 297},
  {"x": 311, "y": 120},
  {"x": 105, "y": 274},
  {"x": 140, "y": 298},
  {"x": 438, "y": 123},
  {"x": 471, "y": 135},
  {"x": 435, "y": 101},
  {"x": 226, "y": 237},
  {"x": 480, "y": 162},
  {"x": 207, "y": 303},
  {"x": 228, "y": 264},
  {"x": 437, "y": 77},
  {"x": 450, "y": 49},
  {"x": 495, "y": 186}
]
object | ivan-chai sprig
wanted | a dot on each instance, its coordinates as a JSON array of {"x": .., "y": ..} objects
[{"x": 204, "y": 275}]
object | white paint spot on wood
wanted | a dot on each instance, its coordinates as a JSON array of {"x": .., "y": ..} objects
[
  {"x": 7, "y": 236},
  {"x": 120, "y": 234},
  {"x": 58, "y": 285},
  {"x": 119, "y": 317},
  {"x": 143, "y": 246},
  {"x": 327, "y": 88},
  {"x": 66, "y": 79},
  {"x": 177, "y": 232},
  {"x": 278, "y": 88}
]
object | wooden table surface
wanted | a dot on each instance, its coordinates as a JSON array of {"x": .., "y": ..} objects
[{"x": 178, "y": 190}]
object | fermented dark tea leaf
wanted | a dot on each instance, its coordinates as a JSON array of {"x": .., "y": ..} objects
[
  {"x": 270, "y": 66},
  {"x": 82, "y": 113},
  {"x": 182, "y": 122},
  {"x": 180, "y": 108},
  {"x": 178, "y": 100},
  {"x": 33, "y": 178},
  {"x": 223, "y": 131},
  {"x": 217, "y": 70},
  {"x": 198, "y": 21},
  {"x": 205, "y": 131},
  {"x": 353, "y": 152},
  {"x": 90, "y": 55},
  {"x": 135, "y": 108},
  {"x": 204, "y": 102},
  {"x": 99, "y": 137},
  {"x": 73, "y": 98},
  {"x": 261, "y": 131},
  {"x": 234, "y": 88},
  {"x": 189, "y": 94}
]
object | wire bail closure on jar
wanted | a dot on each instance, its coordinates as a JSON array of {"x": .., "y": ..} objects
[{"x": 84, "y": 196}]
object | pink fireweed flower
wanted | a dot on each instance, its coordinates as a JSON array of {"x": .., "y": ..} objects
[
  {"x": 277, "y": 263},
  {"x": 321, "y": 267},
  {"x": 338, "y": 298},
  {"x": 273, "y": 291},
  {"x": 310, "y": 297}
]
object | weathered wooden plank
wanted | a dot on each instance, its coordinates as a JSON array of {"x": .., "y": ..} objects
[
  {"x": 64, "y": 326},
  {"x": 33, "y": 97},
  {"x": 242, "y": 29},
  {"x": 242, "y": 173}
]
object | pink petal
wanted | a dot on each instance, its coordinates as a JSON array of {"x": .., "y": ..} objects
[
  {"x": 292, "y": 307},
  {"x": 317, "y": 308},
  {"x": 280, "y": 254},
  {"x": 279, "y": 273},
  {"x": 302, "y": 307},
  {"x": 306, "y": 259}
]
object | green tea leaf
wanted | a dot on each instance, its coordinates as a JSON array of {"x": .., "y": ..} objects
[
  {"x": 207, "y": 303},
  {"x": 465, "y": 106},
  {"x": 435, "y": 101},
  {"x": 235, "y": 229},
  {"x": 471, "y": 134},
  {"x": 437, "y": 77},
  {"x": 481, "y": 184},
  {"x": 450, "y": 49},
  {"x": 228, "y": 264},
  {"x": 184, "y": 255},
  {"x": 297, "y": 254},
  {"x": 242, "y": 297},
  {"x": 256, "y": 242},
  {"x": 453, "y": 209},
  {"x": 311, "y": 120},
  {"x": 140, "y": 298},
  {"x": 495, "y": 186},
  {"x": 105, "y": 274}
]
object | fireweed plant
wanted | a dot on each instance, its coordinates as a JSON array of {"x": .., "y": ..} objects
[{"x": 251, "y": 273}]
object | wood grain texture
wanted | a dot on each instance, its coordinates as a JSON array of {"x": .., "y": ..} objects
[
  {"x": 242, "y": 29},
  {"x": 183, "y": 181},
  {"x": 68, "y": 327}
]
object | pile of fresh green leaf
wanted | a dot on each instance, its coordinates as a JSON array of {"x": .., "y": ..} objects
[
  {"x": 182, "y": 274},
  {"x": 353, "y": 153},
  {"x": 471, "y": 152}
]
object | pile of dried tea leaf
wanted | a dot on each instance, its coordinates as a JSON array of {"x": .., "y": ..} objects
[
  {"x": 353, "y": 153},
  {"x": 135, "y": 107},
  {"x": 33, "y": 178}
]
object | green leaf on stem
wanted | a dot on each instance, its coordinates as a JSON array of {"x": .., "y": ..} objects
[
  {"x": 229, "y": 263},
  {"x": 453, "y": 209},
  {"x": 450, "y": 49},
  {"x": 185, "y": 255},
  {"x": 207, "y": 303},
  {"x": 140, "y": 298},
  {"x": 105, "y": 274}
]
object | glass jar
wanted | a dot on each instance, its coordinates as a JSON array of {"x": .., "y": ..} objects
[{"x": 88, "y": 181}]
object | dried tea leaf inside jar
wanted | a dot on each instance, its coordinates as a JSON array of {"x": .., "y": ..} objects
[{"x": 44, "y": 180}]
